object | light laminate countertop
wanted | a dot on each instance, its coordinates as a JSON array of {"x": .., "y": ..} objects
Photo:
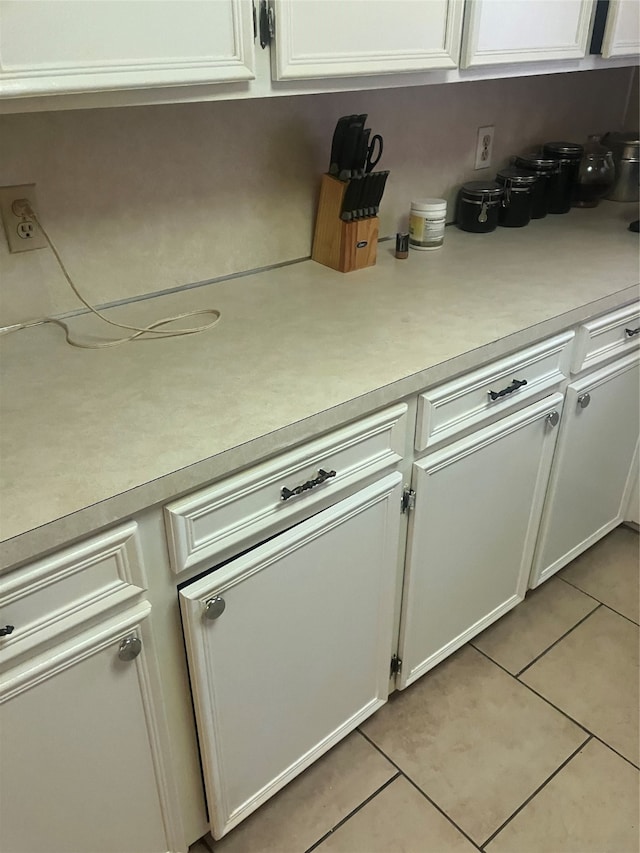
[{"x": 92, "y": 436}]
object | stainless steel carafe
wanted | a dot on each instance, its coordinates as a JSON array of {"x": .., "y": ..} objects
[{"x": 626, "y": 157}]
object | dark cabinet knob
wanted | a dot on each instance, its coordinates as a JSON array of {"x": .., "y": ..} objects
[{"x": 8, "y": 629}]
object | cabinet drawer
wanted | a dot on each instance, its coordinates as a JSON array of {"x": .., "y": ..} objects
[
  {"x": 606, "y": 337},
  {"x": 63, "y": 590},
  {"x": 476, "y": 398},
  {"x": 242, "y": 509}
]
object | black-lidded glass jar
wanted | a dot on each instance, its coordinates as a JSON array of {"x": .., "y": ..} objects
[
  {"x": 478, "y": 206},
  {"x": 518, "y": 196},
  {"x": 548, "y": 170},
  {"x": 568, "y": 154}
]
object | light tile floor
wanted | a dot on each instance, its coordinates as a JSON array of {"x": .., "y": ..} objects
[{"x": 524, "y": 741}]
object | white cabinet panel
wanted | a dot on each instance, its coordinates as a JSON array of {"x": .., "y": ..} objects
[
  {"x": 300, "y": 655},
  {"x": 622, "y": 30},
  {"x": 505, "y": 31},
  {"x": 343, "y": 38},
  {"x": 82, "y": 766},
  {"x": 79, "y": 46},
  {"x": 592, "y": 471},
  {"x": 472, "y": 534}
]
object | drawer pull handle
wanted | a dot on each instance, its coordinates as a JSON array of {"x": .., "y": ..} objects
[
  {"x": 517, "y": 383},
  {"x": 8, "y": 629},
  {"x": 286, "y": 493},
  {"x": 632, "y": 332},
  {"x": 130, "y": 648}
]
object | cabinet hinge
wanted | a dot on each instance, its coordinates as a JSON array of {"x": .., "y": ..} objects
[
  {"x": 396, "y": 665},
  {"x": 267, "y": 23},
  {"x": 408, "y": 499}
]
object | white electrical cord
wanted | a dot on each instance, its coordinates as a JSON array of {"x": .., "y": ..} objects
[{"x": 153, "y": 329}]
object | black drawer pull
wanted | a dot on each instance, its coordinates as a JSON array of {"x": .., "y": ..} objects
[
  {"x": 517, "y": 383},
  {"x": 286, "y": 493},
  {"x": 8, "y": 629},
  {"x": 632, "y": 332}
]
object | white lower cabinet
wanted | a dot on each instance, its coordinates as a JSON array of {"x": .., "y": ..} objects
[
  {"x": 82, "y": 763},
  {"x": 594, "y": 467},
  {"x": 289, "y": 647},
  {"x": 472, "y": 533}
]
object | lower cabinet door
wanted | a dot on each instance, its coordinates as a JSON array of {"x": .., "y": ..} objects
[
  {"x": 594, "y": 466},
  {"x": 81, "y": 765},
  {"x": 472, "y": 533},
  {"x": 289, "y": 647}
]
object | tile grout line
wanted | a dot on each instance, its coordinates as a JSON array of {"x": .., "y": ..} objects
[
  {"x": 524, "y": 684},
  {"x": 354, "y": 811},
  {"x": 559, "y": 640},
  {"x": 536, "y": 792},
  {"x": 419, "y": 790},
  {"x": 612, "y": 609}
]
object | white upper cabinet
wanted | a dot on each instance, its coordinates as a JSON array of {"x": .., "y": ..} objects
[
  {"x": 69, "y": 46},
  {"x": 622, "y": 30},
  {"x": 506, "y": 31},
  {"x": 346, "y": 38}
]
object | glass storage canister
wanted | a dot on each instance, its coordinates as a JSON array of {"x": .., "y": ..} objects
[
  {"x": 595, "y": 174},
  {"x": 568, "y": 155},
  {"x": 518, "y": 184},
  {"x": 426, "y": 223},
  {"x": 478, "y": 206},
  {"x": 548, "y": 170}
]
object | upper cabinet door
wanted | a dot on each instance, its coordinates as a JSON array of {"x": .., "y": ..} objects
[
  {"x": 68, "y": 46},
  {"x": 622, "y": 30},
  {"x": 347, "y": 38},
  {"x": 498, "y": 32}
]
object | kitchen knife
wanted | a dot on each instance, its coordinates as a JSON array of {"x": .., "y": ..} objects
[
  {"x": 381, "y": 180},
  {"x": 367, "y": 200},
  {"x": 363, "y": 149},
  {"x": 338, "y": 141},
  {"x": 352, "y": 199},
  {"x": 349, "y": 150}
]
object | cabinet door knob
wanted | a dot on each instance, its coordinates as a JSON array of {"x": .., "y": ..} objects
[
  {"x": 552, "y": 418},
  {"x": 584, "y": 400},
  {"x": 214, "y": 607},
  {"x": 8, "y": 629},
  {"x": 130, "y": 648}
]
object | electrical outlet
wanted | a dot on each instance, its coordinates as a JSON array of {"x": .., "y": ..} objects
[
  {"x": 22, "y": 232},
  {"x": 484, "y": 147}
]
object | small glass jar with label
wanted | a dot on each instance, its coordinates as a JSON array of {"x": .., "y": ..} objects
[{"x": 426, "y": 223}]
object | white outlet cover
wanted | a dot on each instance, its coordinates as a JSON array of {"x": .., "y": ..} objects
[
  {"x": 484, "y": 146},
  {"x": 12, "y": 222}
]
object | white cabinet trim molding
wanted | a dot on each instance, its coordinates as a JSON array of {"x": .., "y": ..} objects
[
  {"x": 97, "y": 575},
  {"x": 473, "y": 56},
  {"x": 290, "y": 64},
  {"x": 197, "y": 526},
  {"x": 622, "y": 33},
  {"x": 58, "y": 78},
  {"x": 50, "y": 664}
]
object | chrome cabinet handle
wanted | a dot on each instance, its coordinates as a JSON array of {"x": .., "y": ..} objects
[
  {"x": 214, "y": 607},
  {"x": 286, "y": 493},
  {"x": 632, "y": 332},
  {"x": 584, "y": 400},
  {"x": 8, "y": 629},
  {"x": 130, "y": 648},
  {"x": 552, "y": 418},
  {"x": 517, "y": 383}
]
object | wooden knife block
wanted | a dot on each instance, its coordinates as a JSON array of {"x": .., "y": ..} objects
[{"x": 343, "y": 246}]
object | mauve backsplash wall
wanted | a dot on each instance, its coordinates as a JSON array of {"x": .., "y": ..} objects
[{"x": 140, "y": 199}]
